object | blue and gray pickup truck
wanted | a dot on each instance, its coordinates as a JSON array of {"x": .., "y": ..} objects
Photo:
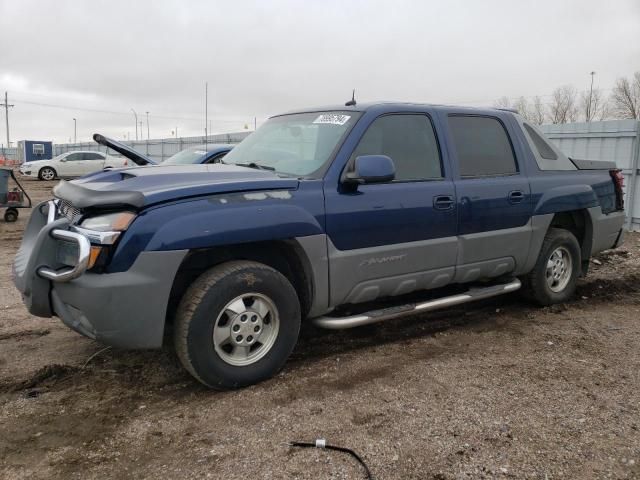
[{"x": 342, "y": 216}]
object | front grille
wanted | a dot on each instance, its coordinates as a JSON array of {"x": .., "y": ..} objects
[{"x": 67, "y": 210}]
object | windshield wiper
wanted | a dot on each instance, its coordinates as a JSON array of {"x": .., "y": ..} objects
[{"x": 257, "y": 166}]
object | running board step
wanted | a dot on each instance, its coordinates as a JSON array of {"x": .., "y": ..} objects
[{"x": 374, "y": 316}]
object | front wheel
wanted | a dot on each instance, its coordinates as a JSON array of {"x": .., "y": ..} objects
[
  {"x": 237, "y": 324},
  {"x": 47, "y": 173},
  {"x": 555, "y": 274}
]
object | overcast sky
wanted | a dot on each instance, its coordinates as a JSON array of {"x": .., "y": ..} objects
[{"x": 96, "y": 60}]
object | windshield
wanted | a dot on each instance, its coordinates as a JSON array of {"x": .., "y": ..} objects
[
  {"x": 187, "y": 156},
  {"x": 298, "y": 144}
]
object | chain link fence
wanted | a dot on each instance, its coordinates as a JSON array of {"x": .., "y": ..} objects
[{"x": 8, "y": 156}]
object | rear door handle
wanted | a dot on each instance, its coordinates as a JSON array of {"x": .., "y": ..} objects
[
  {"x": 516, "y": 196},
  {"x": 443, "y": 202}
]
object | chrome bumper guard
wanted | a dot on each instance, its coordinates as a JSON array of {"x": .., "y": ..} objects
[
  {"x": 68, "y": 274},
  {"x": 84, "y": 250}
]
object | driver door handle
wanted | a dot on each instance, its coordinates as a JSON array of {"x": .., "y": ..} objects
[{"x": 443, "y": 202}]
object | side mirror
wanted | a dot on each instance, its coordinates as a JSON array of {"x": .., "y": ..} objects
[
  {"x": 372, "y": 169},
  {"x": 63, "y": 159}
]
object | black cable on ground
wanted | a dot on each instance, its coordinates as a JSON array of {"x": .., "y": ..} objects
[{"x": 321, "y": 443}]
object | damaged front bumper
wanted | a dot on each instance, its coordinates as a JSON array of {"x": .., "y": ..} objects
[{"x": 124, "y": 309}]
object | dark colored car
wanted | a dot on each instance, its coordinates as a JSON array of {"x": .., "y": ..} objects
[{"x": 211, "y": 153}]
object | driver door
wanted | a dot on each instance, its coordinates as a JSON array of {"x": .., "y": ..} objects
[{"x": 393, "y": 238}]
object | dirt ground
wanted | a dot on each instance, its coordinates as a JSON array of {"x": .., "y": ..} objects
[{"x": 498, "y": 389}]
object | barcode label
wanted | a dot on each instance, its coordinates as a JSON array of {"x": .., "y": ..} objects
[{"x": 332, "y": 119}]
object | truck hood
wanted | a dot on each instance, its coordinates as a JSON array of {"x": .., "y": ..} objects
[
  {"x": 124, "y": 150},
  {"x": 139, "y": 186}
]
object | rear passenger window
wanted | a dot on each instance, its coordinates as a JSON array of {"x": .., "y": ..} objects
[
  {"x": 409, "y": 140},
  {"x": 482, "y": 145},
  {"x": 543, "y": 148}
]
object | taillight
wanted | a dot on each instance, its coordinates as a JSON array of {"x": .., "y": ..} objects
[{"x": 618, "y": 183}]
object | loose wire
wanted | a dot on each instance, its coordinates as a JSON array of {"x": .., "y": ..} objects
[{"x": 321, "y": 443}]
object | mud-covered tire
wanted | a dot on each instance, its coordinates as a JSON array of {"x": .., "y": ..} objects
[
  {"x": 549, "y": 282},
  {"x": 47, "y": 173},
  {"x": 210, "y": 305}
]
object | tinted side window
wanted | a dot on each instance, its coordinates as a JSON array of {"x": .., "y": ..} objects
[
  {"x": 482, "y": 145},
  {"x": 93, "y": 156},
  {"x": 409, "y": 140},
  {"x": 541, "y": 144},
  {"x": 74, "y": 157}
]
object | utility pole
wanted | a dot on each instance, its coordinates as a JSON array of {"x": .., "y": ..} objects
[
  {"x": 147, "y": 125},
  {"x": 590, "y": 98},
  {"x": 6, "y": 116},
  {"x": 255, "y": 123},
  {"x": 141, "y": 134},
  {"x": 206, "y": 113},
  {"x": 75, "y": 131},
  {"x": 136, "y": 117}
]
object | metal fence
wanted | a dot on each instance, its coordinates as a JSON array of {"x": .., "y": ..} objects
[
  {"x": 614, "y": 140},
  {"x": 8, "y": 155},
  {"x": 158, "y": 149}
]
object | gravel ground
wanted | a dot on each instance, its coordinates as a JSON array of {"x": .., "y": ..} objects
[{"x": 497, "y": 389}]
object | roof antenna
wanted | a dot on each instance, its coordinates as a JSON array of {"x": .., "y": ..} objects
[{"x": 352, "y": 102}]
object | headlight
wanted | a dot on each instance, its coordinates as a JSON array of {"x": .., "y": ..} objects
[
  {"x": 111, "y": 222},
  {"x": 104, "y": 230}
]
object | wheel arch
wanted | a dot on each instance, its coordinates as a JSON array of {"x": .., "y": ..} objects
[
  {"x": 286, "y": 256},
  {"x": 579, "y": 223}
]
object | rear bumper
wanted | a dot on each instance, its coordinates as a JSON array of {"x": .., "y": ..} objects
[
  {"x": 125, "y": 309},
  {"x": 608, "y": 231}
]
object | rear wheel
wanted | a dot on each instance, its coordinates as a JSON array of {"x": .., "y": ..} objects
[
  {"x": 47, "y": 173},
  {"x": 555, "y": 274},
  {"x": 237, "y": 324}
]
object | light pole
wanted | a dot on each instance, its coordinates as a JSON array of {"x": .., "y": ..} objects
[
  {"x": 590, "y": 97},
  {"x": 6, "y": 106},
  {"x": 147, "y": 125},
  {"x": 136, "y": 116},
  {"x": 75, "y": 131}
]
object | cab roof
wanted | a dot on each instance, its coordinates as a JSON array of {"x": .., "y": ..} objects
[{"x": 384, "y": 106}]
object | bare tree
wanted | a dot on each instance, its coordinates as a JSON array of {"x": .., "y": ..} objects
[
  {"x": 562, "y": 108},
  {"x": 593, "y": 105},
  {"x": 522, "y": 106},
  {"x": 502, "y": 102},
  {"x": 537, "y": 112},
  {"x": 625, "y": 97}
]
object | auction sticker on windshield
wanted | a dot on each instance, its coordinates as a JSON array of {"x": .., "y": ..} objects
[{"x": 332, "y": 118}]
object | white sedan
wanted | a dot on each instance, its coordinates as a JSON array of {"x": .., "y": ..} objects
[{"x": 71, "y": 164}]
